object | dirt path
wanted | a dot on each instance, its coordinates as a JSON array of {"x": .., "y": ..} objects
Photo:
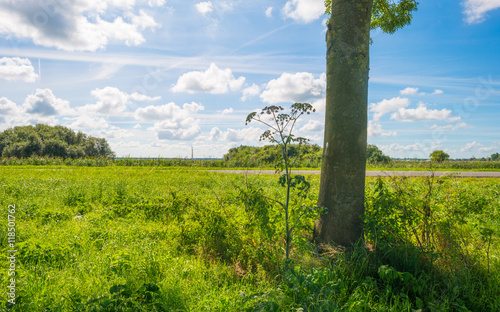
[{"x": 462, "y": 174}]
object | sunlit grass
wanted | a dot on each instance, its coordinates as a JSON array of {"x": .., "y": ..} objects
[{"x": 160, "y": 239}]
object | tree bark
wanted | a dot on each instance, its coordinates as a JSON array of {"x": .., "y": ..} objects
[{"x": 342, "y": 186}]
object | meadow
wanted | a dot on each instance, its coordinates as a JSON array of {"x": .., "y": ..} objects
[
  {"x": 248, "y": 163},
  {"x": 157, "y": 238}
]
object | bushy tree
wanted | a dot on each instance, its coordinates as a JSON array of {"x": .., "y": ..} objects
[
  {"x": 439, "y": 156},
  {"x": 495, "y": 157},
  {"x": 58, "y": 141},
  {"x": 375, "y": 156}
]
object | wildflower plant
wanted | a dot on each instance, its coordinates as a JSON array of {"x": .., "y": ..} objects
[{"x": 281, "y": 127}]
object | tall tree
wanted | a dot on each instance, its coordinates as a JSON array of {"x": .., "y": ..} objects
[{"x": 342, "y": 185}]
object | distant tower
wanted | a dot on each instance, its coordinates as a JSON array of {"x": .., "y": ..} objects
[{"x": 192, "y": 153}]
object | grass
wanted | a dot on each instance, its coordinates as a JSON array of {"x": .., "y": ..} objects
[
  {"x": 400, "y": 165},
  {"x": 121, "y": 238}
]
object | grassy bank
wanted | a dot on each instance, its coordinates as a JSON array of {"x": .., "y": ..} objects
[{"x": 121, "y": 238}]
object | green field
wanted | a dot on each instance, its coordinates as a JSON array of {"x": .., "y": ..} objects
[
  {"x": 151, "y": 238},
  {"x": 254, "y": 163}
]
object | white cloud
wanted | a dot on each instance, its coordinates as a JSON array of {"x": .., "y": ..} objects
[
  {"x": 138, "y": 126},
  {"x": 204, "y": 7},
  {"x": 227, "y": 111},
  {"x": 319, "y": 105},
  {"x": 17, "y": 69},
  {"x": 451, "y": 127},
  {"x": 299, "y": 87},
  {"x": 269, "y": 12},
  {"x": 414, "y": 91},
  {"x": 375, "y": 130},
  {"x": 213, "y": 80},
  {"x": 167, "y": 111},
  {"x": 158, "y": 3},
  {"x": 186, "y": 129},
  {"x": 475, "y": 10},
  {"x": 114, "y": 133},
  {"x": 85, "y": 25},
  {"x": 7, "y": 107},
  {"x": 409, "y": 91},
  {"x": 249, "y": 134},
  {"x": 45, "y": 103},
  {"x": 89, "y": 122},
  {"x": 416, "y": 150},
  {"x": 487, "y": 149},
  {"x": 112, "y": 100},
  {"x": 304, "y": 11},
  {"x": 312, "y": 126},
  {"x": 422, "y": 113},
  {"x": 471, "y": 146},
  {"x": 253, "y": 90},
  {"x": 386, "y": 106},
  {"x": 172, "y": 121}
]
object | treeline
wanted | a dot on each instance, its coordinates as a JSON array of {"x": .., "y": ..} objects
[
  {"x": 57, "y": 141},
  {"x": 306, "y": 155},
  {"x": 253, "y": 156}
]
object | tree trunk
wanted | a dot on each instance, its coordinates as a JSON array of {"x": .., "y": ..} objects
[{"x": 342, "y": 187}]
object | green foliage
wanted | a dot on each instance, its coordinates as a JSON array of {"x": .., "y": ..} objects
[
  {"x": 58, "y": 141},
  {"x": 254, "y": 156},
  {"x": 495, "y": 157},
  {"x": 170, "y": 239},
  {"x": 391, "y": 16},
  {"x": 435, "y": 226},
  {"x": 280, "y": 131},
  {"x": 387, "y": 15},
  {"x": 375, "y": 156},
  {"x": 439, "y": 156}
]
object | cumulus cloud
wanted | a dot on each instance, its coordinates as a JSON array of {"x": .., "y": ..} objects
[
  {"x": 299, "y": 87},
  {"x": 17, "y": 69},
  {"x": 423, "y": 113},
  {"x": 416, "y": 150},
  {"x": 89, "y": 122},
  {"x": 312, "y": 126},
  {"x": 83, "y": 25},
  {"x": 375, "y": 130},
  {"x": 7, "y": 107},
  {"x": 112, "y": 100},
  {"x": 186, "y": 129},
  {"x": 409, "y": 91},
  {"x": 249, "y": 134},
  {"x": 204, "y": 7},
  {"x": 227, "y": 111},
  {"x": 253, "y": 90},
  {"x": 437, "y": 92},
  {"x": 167, "y": 111},
  {"x": 386, "y": 106},
  {"x": 475, "y": 10},
  {"x": 45, "y": 103},
  {"x": 214, "y": 80},
  {"x": 304, "y": 11},
  {"x": 171, "y": 121}
]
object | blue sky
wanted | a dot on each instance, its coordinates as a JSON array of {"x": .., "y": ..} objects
[{"x": 155, "y": 77}]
